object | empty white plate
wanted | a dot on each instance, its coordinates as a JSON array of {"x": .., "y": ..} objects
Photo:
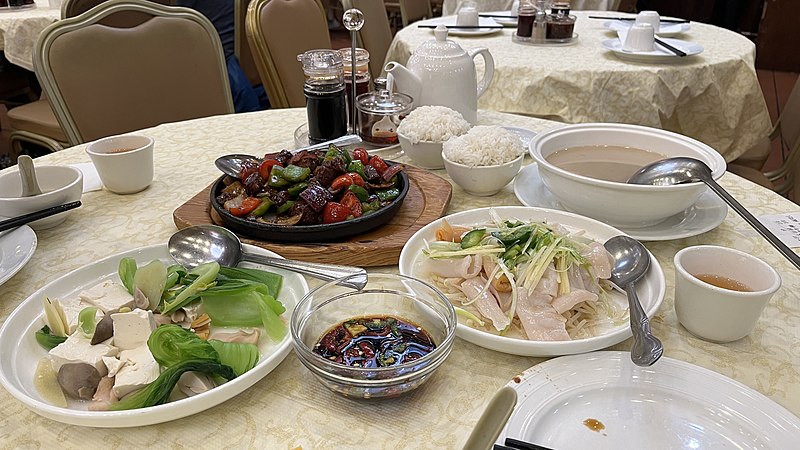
[
  {"x": 659, "y": 55},
  {"x": 16, "y": 249}
]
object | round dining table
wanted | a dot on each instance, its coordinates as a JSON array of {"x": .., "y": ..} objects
[
  {"x": 289, "y": 408},
  {"x": 714, "y": 97},
  {"x": 451, "y": 6},
  {"x": 20, "y": 28}
]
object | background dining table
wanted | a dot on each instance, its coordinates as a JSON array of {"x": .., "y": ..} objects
[
  {"x": 289, "y": 408},
  {"x": 714, "y": 97},
  {"x": 19, "y": 30},
  {"x": 451, "y": 6}
]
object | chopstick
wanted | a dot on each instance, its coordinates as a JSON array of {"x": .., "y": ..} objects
[
  {"x": 499, "y": 16},
  {"x": 41, "y": 214},
  {"x": 514, "y": 444},
  {"x": 634, "y": 18},
  {"x": 462, "y": 27},
  {"x": 670, "y": 48}
]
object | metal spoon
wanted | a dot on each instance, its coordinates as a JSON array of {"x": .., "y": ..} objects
[
  {"x": 30, "y": 186},
  {"x": 631, "y": 262},
  {"x": 232, "y": 164},
  {"x": 200, "y": 244},
  {"x": 685, "y": 170}
]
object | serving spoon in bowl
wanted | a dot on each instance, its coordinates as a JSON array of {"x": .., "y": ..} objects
[
  {"x": 631, "y": 262},
  {"x": 686, "y": 170},
  {"x": 201, "y": 244}
]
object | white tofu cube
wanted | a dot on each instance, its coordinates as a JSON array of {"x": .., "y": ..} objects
[
  {"x": 78, "y": 349},
  {"x": 140, "y": 369},
  {"x": 113, "y": 365},
  {"x": 108, "y": 296},
  {"x": 131, "y": 329}
]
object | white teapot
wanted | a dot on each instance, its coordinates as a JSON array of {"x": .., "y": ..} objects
[{"x": 442, "y": 73}]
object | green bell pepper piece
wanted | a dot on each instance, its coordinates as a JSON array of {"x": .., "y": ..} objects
[
  {"x": 286, "y": 206},
  {"x": 295, "y": 174},
  {"x": 276, "y": 178},
  {"x": 261, "y": 209},
  {"x": 386, "y": 195},
  {"x": 295, "y": 190},
  {"x": 360, "y": 192},
  {"x": 357, "y": 167}
]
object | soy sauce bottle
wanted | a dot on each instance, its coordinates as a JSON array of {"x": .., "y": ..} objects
[{"x": 325, "y": 95}]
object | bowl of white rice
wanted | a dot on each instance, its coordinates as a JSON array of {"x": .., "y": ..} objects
[
  {"x": 484, "y": 160},
  {"x": 424, "y": 130}
]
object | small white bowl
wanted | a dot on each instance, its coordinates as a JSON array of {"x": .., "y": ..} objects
[
  {"x": 124, "y": 163},
  {"x": 483, "y": 181},
  {"x": 624, "y": 205},
  {"x": 59, "y": 184},
  {"x": 425, "y": 154}
]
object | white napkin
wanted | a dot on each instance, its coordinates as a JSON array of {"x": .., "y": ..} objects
[{"x": 91, "y": 180}]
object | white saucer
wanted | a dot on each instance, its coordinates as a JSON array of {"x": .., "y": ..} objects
[
  {"x": 525, "y": 135},
  {"x": 705, "y": 215},
  {"x": 451, "y": 21},
  {"x": 16, "y": 249},
  {"x": 660, "y": 54},
  {"x": 603, "y": 401},
  {"x": 665, "y": 29}
]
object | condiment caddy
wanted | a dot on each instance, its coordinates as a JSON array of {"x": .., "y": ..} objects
[{"x": 536, "y": 27}]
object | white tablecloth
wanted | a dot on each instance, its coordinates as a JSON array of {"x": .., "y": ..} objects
[
  {"x": 451, "y": 6},
  {"x": 714, "y": 97},
  {"x": 20, "y": 29},
  {"x": 289, "y": 408}
]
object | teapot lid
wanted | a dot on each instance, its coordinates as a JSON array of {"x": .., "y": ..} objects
[{"x": 440, "y": 47}]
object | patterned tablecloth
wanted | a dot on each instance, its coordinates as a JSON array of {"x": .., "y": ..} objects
[
  {"x": 289, "y": 408},
  {"x": 714, "y": 97},
  {"x": 451, "y": 6},
  {"x": 20, "y": 29}
]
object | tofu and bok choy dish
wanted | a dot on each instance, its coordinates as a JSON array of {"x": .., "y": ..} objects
[
  {"x": 523, "y": 279},
  {"x": 162, "y": 334}
]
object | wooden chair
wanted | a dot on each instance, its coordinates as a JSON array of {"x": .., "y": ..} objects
[
  {"x": 102, "y": 82},
  {"x": 414, "y": 10},
  {"x": 278, "y": 31},
  {"x": 376, "y": 35}
]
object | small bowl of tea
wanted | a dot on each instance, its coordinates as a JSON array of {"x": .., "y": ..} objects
[
  {"x": 381, "y": 341},
  {"x": 720, "y": 292}
]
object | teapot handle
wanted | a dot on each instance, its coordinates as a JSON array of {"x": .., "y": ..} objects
[{"x": 488, "y": 74}]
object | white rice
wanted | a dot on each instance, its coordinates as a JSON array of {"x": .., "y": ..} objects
[
  {"x": 483, "y": 146},
  {"x": 432, "y": 124}
]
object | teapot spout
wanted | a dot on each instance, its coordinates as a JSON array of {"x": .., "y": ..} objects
[{"x": 405, "y": 81}]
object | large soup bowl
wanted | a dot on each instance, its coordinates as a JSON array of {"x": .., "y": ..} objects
[{"x": 624, "y": 205}]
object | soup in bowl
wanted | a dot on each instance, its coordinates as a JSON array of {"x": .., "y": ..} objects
[{"x": 585, "y": 166}]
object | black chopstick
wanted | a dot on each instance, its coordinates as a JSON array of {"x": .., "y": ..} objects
[
  {"x": 514, "y": 444},
  {"x": 634, "y": 18},
  {"x": 463, "y": 27},
  {"x": 499, "y": 16},
  {"x": 41, "y": 214},
  {"x": 670, "y": 48}
]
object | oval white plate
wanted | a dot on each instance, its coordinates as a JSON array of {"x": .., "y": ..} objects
[
  {"x": 665, "y": 29},
  {"x": 16, "y": 249},
  {"x": 659, "y": 55},
  {"x": 651, "y": 288},
  {"x": 705, "y": 215},
  {"x": 451, "y": 21},
  {"x": 19, "y": 351},
  {"x": 672, "y": 404}
]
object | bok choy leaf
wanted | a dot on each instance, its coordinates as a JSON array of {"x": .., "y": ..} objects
[
  {"x": 171, "y": 344},
  {"x": 239, "y": 356}
]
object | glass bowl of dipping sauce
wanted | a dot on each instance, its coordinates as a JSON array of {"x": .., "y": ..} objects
[{"x": 381, "y": 341}]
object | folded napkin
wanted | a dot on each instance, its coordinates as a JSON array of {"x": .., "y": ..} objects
[{"x": 91, "y": 180}]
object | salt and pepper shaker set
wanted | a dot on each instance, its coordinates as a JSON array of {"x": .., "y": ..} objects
[{"x": 337, "y": 87}]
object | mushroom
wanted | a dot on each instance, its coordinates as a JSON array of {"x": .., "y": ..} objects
[
  {"x": 161, "y": 319},
  {"x": 241, "y": 335},
  {"x": 79, "y": 380},
  {"x": 103, "y": 331},
  {"x": 193, "y": 383}
]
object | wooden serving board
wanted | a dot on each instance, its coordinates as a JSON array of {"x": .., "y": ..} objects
[{"x": 427, "y": 199}]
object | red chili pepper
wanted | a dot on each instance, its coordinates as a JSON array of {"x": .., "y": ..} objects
[
  {"x": 342, "y": 181},
  {"x": 248, "y": 205},
  {"x": 361, "y": 154},
  {"x": 334, "y": 212},
  {"x": 378, "y": 164},
  {"x": 351, "y": 202},
  {"x": 266, "y": 167}
]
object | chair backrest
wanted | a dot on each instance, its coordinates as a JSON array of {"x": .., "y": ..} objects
[
  {"x": 240, "y": 43},
  {"x": 278, "y": 31},
  {"x": 103, "y": 80},
  {"x": 789, "y": 120},
  {"x": 414, "y": 10},
  {"x": 72, "y": 8},
  {"x": 376, "y": 34}
]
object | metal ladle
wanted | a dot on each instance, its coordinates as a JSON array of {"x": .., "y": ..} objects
[
  {"x": 201, "y": 244},
  {"x": 631, "y": 262},
  {"x": 685, "y": 170}
]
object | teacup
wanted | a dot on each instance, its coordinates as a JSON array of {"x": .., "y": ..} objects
[
  {"x": 650, "y": 17},
  {"x": 467, "y": 15},
  {"x": 720, "y": 292},
  {"x": 124, "y": 163},
  {"x": 640, "y": 38}
]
